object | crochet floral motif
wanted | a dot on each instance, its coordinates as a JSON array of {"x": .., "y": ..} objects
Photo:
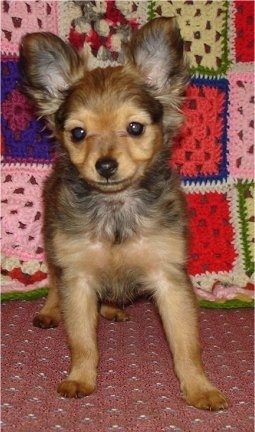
[
  {"x": 200, "y": 147},
  {"x": 22, "y": 133},
  {"x": 103, "y": 27},
  {"x": 17, "y": 111}
]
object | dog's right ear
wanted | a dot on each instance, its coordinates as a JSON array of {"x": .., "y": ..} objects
[{"x": 49, "y": 67}]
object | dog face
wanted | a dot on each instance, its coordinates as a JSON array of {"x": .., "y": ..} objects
[
  {"x": 112, "y": 122},
  {"x": 110, "y": 127}
]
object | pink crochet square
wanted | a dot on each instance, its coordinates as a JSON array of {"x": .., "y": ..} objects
[
  {"x": 20, "y": 17},
  {"x": 22, "y": 211},
  {"x": 241, "y": 125}
]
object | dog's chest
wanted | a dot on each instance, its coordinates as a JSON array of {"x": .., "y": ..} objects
[
  {"x": 117, "y": 272},
  {"x": 116, "y": 249},
  {"x": 116, "y": 220},
  {"x": 95, "y": 256}
]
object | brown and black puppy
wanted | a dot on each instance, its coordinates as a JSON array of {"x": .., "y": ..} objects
[{"x": 115, "y": 219}]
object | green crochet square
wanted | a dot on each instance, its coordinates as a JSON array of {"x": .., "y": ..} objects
[{"x": 246, "y": 214}]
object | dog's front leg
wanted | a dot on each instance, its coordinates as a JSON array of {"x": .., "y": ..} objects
[
  {"x": 50, "y": 315},
  {"x": 178, "y": 311},
  {"x": 80, "y": 314}
]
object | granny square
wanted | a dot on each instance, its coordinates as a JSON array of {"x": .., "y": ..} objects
[
  {"x": 18, "y": 275},
  {"x": 203, "y": 26},
  {"x": 104, "y": 26},
  {"x": 22, "y": 210},
  {"x": 23, "y": 136},
  {"x": 20, "y": 17},
  {"x": 246, "y": 223},
  {"x": 212, "y": 233},
  {"x": 200, "y": 148},
  {"x": 241, "y": 125},
  {"x": 244, "y": 23}
]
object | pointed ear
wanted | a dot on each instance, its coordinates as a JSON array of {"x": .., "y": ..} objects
[
  {"x": 49, "y": 67},
  {"x": 156, "y": 50}
]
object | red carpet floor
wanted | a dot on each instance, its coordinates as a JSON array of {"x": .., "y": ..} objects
[{"x": 137, "y": 389}]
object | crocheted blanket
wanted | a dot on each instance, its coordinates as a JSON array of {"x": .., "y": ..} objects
[{"x": 213, "y": 150}]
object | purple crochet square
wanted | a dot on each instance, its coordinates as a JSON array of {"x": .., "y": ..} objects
[{"x": 24, "y": 137}]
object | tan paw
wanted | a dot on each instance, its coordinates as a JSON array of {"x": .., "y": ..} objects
[
  {"x": 211, "y": 399},
  {"x": 74, "y": 389},
  {"x": 45, "y": 321},
  {"x": 113, "y": 313}
]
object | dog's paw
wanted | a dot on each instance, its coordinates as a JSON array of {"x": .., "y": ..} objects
[
  {"x": 45, "y": 321},
  {"x": 211, "y": 399},
  {"x": 120, "y": 316},
  {"x": 74, "y": 389},
  {"x": 113, "y": 313}
]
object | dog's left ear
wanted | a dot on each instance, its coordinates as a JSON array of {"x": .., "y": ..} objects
[{"x": 157, "y": 52}]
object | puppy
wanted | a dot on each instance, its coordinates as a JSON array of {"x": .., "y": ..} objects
[{"x": 115, "y": 218}]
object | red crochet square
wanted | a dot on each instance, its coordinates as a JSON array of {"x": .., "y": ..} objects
[
  {"x": 198, "y": 147},
  {"x": 244, "y": 23},
  {"x": 212, "y": 234}
]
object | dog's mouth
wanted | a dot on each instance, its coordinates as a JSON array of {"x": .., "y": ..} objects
[
  {"x": 108, "y": 178},
  {"x": 110, "y": 185}
]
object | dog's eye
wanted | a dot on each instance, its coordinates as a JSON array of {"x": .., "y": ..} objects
[
  {"x": 78, "y": 134},
  {"x": 135, "y": 129}
]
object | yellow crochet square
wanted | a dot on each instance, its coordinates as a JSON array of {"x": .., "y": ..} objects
[{"x": 203, "y": 27}]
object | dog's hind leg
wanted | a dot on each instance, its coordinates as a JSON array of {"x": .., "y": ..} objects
[
  {"x": 49, "y": 316},
  {"x": 112, "y": 313}
]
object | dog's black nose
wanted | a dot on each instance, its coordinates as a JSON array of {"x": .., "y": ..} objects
[{"x": 106, "y": 167}]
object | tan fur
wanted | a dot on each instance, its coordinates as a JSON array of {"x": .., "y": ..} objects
[
  {"x": 115, "y": 216},
  {"x": 107, "y": 136}
]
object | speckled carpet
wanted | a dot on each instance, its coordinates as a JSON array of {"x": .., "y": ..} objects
[{"x": 137, "y": 389}]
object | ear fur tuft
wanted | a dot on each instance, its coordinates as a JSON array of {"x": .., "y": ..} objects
[
  {"x": 49, "y": 68},
  {"x": 156, "y": 51}
]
